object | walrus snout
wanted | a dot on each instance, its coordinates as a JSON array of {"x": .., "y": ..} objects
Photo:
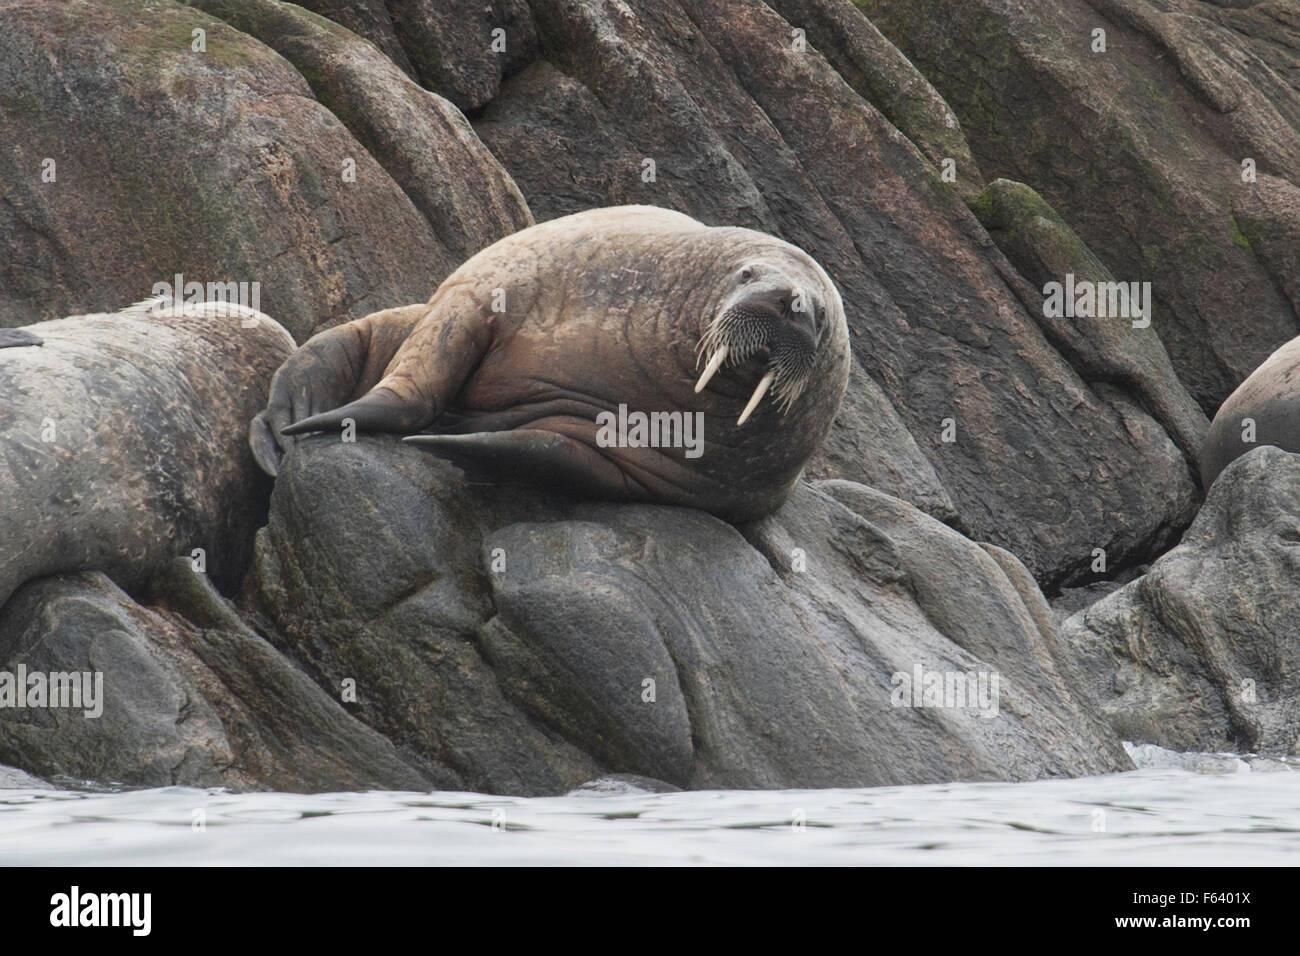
[{"x": 772, "y": 320}]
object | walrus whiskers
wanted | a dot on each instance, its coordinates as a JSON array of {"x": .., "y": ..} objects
[{"x": 739, "y": 333}]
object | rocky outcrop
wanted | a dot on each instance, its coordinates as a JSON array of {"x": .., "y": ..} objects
[
  {"x": 398, "y": 626},
  {"x": 799, "y": 118},
  {"x": 458, "y": 48},
  {"x": 1201, "y": 653},
  {"x": 140, "y": 149},
  {"x": 420, "y": 139},
  {"x": 429, "y": 632},
  {"x": 882, "y": 76},
  {"x": 11, "y": 778},
  {"x": 187, "y": 695},
  {"x": 528, "y": 643},
  {"x": 1114, "y": 352},
  {"x": 1142, "y": 146}
]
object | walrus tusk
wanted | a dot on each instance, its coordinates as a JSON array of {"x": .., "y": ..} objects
[
  {"x": 764, "y": 384},
  {"x": 715, "y": 363}
]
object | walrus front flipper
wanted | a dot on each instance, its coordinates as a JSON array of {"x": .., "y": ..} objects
[
  {"x": 430, "y": 367},
  {"x": 332, "y": 368},
  {"x": 14, "y": 338},
  {"x": 535, "y": 457}
]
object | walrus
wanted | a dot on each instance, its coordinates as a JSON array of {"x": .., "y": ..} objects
[
  {"x": 516, "y": 366},
  {"x": 123, "y": 441},
  {"x": 1270, "y": 399}
]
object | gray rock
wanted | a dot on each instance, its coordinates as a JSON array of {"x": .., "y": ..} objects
[
  {"x": 366, "y": 18},
  {"x": 882, "y": 76},
  {"x": 423, "y": 142},
  {"x": 11, "y": 778},
  {"x": 154, "y": 729},
  {"x": 1158, "y": 127},
  {"x": 1112, "y": 350},
  {"x": 1200, "y": 653},
  {"x": 1070, "y": 601},
  {"x": 622, "y": 785},
  {"x": 1151, "y": 757},
  {"x": 390, "y": 594},
  {"x": 528, "y": 643},
  {"x": 450, "y": 44},
  {"x": 220, "y": 165},
  {"x": 195, "y": 700}
]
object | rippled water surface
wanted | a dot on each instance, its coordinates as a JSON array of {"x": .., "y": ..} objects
[{"x": 1224, "y": 812}]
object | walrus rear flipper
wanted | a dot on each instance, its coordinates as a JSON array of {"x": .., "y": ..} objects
[
  {"x": 14, "y": 338},
  {"x": 377, "y": 411},
  {"x": 334, "y": 368},
  {"x": 535, "y": 457}
]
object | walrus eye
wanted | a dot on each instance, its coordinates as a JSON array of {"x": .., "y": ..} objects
[{"x": 746, "y": 274}]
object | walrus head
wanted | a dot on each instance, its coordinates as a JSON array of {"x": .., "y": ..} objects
[{"x": 769, "y": 319}]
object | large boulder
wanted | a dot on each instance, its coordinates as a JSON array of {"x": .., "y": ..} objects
[
  {"x": 1201, "y": 652},
  {"x": 882, "y": 76},
  {"x": 422, "y": 141},
  {"x": 527, "y": 643},
  {"x": 11, "y": 778},
  {"x": 1116, "y": 351},
  {"x": 186, "y": 695},
  {"x": 459, "y": 48},
  {"x": 1142, "y": 147},
  {"x": 135, "y": 155}
]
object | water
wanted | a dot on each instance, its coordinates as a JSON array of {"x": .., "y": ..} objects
[{"x": 1179, "y": 810}]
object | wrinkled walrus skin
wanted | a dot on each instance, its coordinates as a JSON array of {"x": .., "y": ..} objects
[
  {"x": 122, "y": 443},
  {"x": 506, "y": 368},
  {"x": 1270, "y": 399}
]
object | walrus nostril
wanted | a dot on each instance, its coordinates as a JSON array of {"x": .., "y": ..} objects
[{"x": 807, "y": 321}]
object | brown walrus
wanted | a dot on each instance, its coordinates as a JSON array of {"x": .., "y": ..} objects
[
  {"x": 527, "y": 352},
  {"x": 1263, "y": 410}
]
